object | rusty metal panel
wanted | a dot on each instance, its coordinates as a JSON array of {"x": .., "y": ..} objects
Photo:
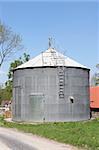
[{"x": 94, "y": 97}]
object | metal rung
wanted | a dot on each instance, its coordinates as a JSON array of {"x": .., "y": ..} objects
[
  {"x": 61, "y": 81},
  {"x": 61, "y": 96},
  {"x": 61, "y": 93},
  {"x": 61, "y": 72},
  {"x": 61, "y": 77},
  {"x": 61, "y": 87},
  {"x": 61, "y": 84}
]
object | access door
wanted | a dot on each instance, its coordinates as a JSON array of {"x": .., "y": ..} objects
[{"x": 36, "y": 107}]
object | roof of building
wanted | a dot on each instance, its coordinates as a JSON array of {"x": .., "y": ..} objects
[{"x": 51, "y": 57}]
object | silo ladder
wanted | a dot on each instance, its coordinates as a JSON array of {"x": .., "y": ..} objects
[{"x": 61, "y": 81}]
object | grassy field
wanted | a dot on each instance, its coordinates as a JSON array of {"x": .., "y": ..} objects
[{"x": 81, "y": 134}]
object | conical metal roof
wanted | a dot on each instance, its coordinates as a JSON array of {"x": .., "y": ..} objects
[{"x": 51, "y": 57}]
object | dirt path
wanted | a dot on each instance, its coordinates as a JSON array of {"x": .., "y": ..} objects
[
  {"x": 3, "y": 146},
  {"x": 11, "y": 139}
]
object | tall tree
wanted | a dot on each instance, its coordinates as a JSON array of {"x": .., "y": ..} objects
[
  {"x": 14, "y": 64},
  {"x": 6, "y": 93},
  {"x": 9, "y": 42},
  {"x": 95, "y": 77}
]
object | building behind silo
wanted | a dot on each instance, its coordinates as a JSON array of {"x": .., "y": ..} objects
[{"x": 51, "y": 88}]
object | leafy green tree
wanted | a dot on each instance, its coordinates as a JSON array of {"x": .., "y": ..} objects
[
  {"x": 13, "y": 65},
  {"x": 95, "y": 78},
  {"x": 25, "y": 58},
  {"x": 16, "y": 63},
  {"x": 6, "y": 93}
]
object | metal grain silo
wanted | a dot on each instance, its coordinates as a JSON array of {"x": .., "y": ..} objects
[{"x": 51, "y": 88}]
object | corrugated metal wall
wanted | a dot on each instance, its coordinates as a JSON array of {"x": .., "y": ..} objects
[{"x": 47, "y": 95}]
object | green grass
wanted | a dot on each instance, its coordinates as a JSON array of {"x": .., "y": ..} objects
[
  {"x": 81, "y": 134},
  {"x": 1, "y": 120}
]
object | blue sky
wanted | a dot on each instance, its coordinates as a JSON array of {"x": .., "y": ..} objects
[{"x": 74, "y": 25}]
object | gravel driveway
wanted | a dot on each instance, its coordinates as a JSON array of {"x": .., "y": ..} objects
[{"x": 11, "y": 139}]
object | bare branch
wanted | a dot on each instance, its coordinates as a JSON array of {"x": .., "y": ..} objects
[{"x": 9, "y": 42}]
